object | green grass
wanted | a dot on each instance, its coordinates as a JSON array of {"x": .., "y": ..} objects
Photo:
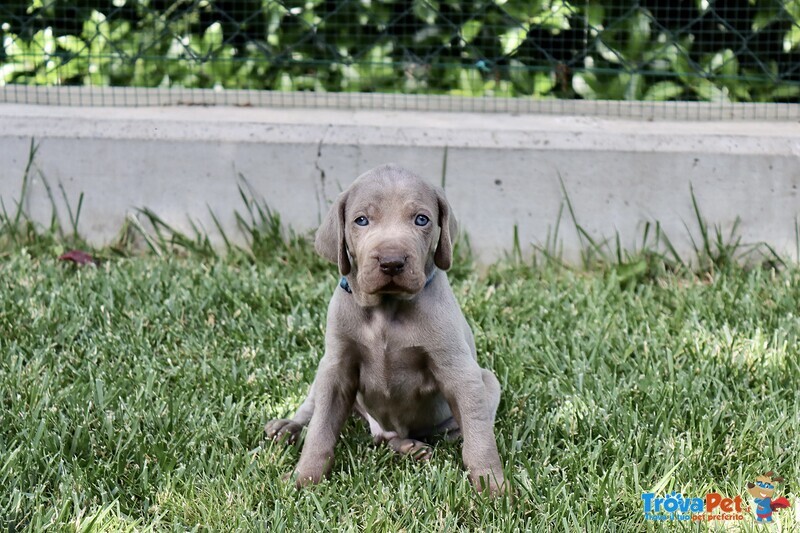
[{"x": 134, "y": 396}]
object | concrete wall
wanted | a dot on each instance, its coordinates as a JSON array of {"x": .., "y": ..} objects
[{"x": 499, "y": 169}]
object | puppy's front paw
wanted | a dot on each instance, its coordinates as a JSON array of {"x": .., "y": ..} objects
[
  {"x": 494, "y": 483},
  {"x": 301, "y": 480},
  {"x": 305, "y": 478},
  {"x": 283, "y": 429},
  {"x": 312, "y": 470}
]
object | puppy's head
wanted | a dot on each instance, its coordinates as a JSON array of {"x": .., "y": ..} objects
[
  {"x": 387, "y": 232},
  {"x": 764, "y": 487}
]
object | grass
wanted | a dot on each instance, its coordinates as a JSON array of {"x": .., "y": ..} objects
[{"x": 134, "y": 394}]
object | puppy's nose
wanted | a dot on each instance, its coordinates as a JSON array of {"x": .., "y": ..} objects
[{"x": 392, "y": 265}]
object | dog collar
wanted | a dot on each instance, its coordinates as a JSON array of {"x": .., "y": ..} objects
[{"x": 346, "y": 286}]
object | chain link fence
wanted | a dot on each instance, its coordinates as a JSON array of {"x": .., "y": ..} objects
[{"x": 547, "y": 51}]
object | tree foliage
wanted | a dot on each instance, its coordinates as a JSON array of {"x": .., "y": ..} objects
[{"x": 743, "y": 50}]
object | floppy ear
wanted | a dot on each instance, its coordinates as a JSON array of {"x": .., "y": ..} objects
[
  {"x": 443, "y": 257},
  {"x": 330, "y": 242}
]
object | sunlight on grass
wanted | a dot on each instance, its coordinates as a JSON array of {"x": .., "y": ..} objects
[
  {"x": 285, "y": 405},
  {"x": 135, "y": 393},
  {"x": 125, "y": 402}
]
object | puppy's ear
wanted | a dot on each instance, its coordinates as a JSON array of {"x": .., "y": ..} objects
[
  {"x": 443, "y": 257},
  {"x": 330, "y": 242}
]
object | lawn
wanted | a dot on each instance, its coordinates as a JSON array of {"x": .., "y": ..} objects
[{"x": 134, "y": 396}]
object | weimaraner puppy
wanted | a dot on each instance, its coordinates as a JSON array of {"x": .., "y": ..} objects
[{"x": 398, "y": 350}]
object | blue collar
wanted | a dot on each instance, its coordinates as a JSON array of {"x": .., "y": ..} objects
[{"x": 346, "y": 286}]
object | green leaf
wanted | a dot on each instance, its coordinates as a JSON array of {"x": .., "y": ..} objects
[
  {"x": 663, "y": 91},
  {"x": 784, "y": 92},
  {"x": 470, "y": 30},
  {"x": 513, "y": 39},
  {"x": 71, "y": 43},
  {"x": 763, "y": 18},
  {"x": 618, "y": 86},
  {"x": 554, "y": 15},
  {"x": 682, "y": 67},
  {"x": 634, "y": 87},
  {"x": 543, "y": 83},
  {"x": 724, "y": 63},
  {"x": 43, "y": 42},
  {"x": 792, "y": 38},
  {"x": 582, "y": 83},
  {"x": 638, "y": 34},
  {"x": 531, "y": 83},
  {"x": 471, "y": 82},
  {"x": 595, "y": 13},
  {"x": 212, "y": 38},
  {"x": 609, "y": 52},
  {"x": 426, "y": 10},
  {"x": 9, "y": 71},
  {"x": 708, "y": 91}
]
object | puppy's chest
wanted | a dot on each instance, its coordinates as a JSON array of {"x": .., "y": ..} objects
[{"x": 393, "y": 357}]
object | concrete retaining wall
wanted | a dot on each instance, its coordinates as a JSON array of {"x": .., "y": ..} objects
[{"x": 499, "y": 170}]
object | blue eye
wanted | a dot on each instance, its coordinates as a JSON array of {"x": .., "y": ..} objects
[
  {"x": 421, "y": 220},
  {"x": 361, "y": 221}
]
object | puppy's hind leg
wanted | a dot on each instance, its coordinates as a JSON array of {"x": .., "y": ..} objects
[{"x": 289, "y": 429}]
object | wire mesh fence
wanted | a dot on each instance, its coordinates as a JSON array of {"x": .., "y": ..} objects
[{"x": 724, "y": 52}]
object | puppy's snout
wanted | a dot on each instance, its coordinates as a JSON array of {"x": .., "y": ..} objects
[{"x": 392, "y": 265}]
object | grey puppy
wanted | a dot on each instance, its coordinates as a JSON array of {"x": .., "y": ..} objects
[{"x": 397, "y": 349}]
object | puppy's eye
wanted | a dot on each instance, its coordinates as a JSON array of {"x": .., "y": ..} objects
[
  {"x": 421, "y": 220},
  {"x": 361, "y": 221}
]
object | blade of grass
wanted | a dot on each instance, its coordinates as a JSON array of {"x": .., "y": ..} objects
[
  {"x": 73, "y": 217},
  {"x": 25, "y": 179}
]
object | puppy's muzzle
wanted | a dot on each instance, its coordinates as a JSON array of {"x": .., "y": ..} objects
[{"x": 392, "y": 265}]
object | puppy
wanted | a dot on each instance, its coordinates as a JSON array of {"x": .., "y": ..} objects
[{"x": 398, "y": 350}]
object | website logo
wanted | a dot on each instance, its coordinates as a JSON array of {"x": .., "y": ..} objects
[
  {"x": 716, "y": 507},
  {"x": 763, "y": 493},
  {"x": 677, "y": 507}
]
